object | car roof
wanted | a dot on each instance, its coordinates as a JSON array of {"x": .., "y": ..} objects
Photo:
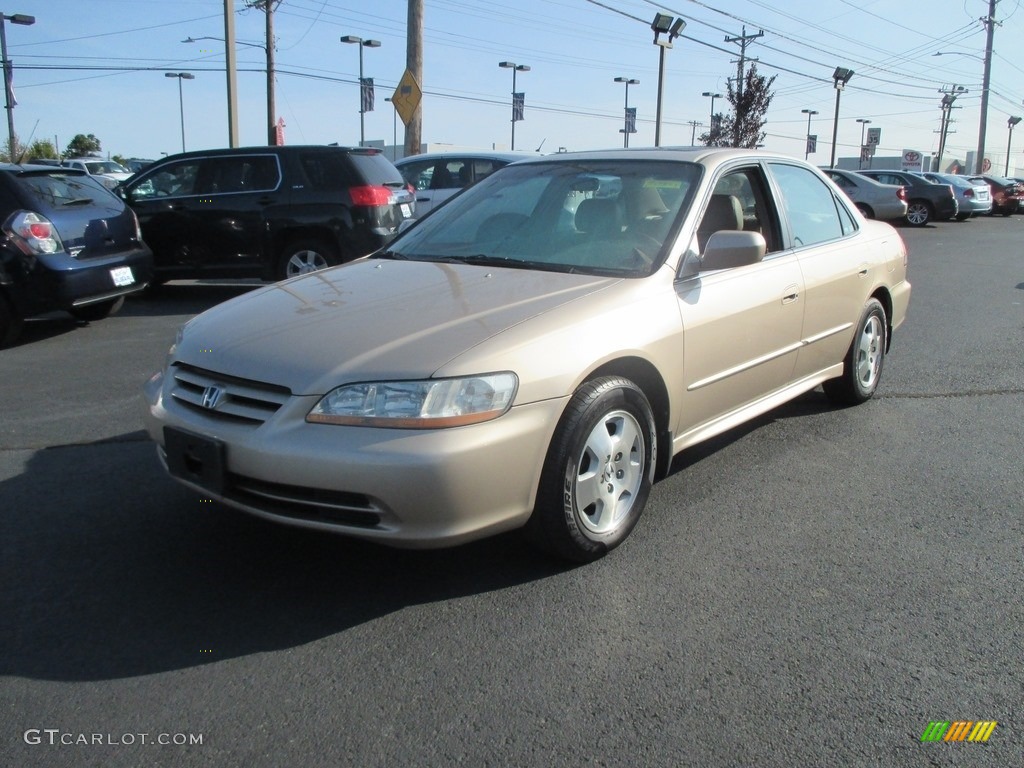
[
  {"x": 21, "y": 167},
  {"x": 272, "y": 150},
  {"x": 481, "y": 154}
]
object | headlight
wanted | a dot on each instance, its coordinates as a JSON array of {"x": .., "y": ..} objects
[{"x": 429, "y": 404}]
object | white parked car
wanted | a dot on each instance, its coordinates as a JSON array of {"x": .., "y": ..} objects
[
  {"x": 106, "y": 172},
  {"x": 436, "y": 176}
]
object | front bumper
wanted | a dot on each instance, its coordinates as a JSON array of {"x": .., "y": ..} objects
[{"x": 410, "y": 488}]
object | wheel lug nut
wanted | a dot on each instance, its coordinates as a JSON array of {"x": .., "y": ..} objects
[
  {"x": 619, "y": 474},
  {"x": 618, "y": 457}
]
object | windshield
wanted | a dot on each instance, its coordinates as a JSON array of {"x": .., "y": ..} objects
[{"x": 596, "y": 217}]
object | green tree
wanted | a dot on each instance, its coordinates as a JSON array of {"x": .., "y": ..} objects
[
  {"x": 743, "y": 127},
  {"x": 121, "y": 159},
  {"x": 43, "y": 149},
  {"x": 82, "y": 145}
]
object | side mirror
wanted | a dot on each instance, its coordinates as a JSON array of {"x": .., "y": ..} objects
[{"x": 732, "y": 248}]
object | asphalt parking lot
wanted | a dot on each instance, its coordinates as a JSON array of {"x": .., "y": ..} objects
[{"x": 814, "y": 588}]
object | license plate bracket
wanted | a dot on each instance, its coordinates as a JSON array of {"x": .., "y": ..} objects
[{"x": 196, "y": 458}]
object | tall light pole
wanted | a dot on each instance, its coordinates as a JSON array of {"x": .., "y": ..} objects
[
  {"x": 863, "y": 124},
  {"x": 24, "y": 20},
  {"x": 1009, "y": 124},
  {"x": 663, "y": 24},
  {"x": 807, "y": 140},
  {"x": 840, "y": 78},
  {"x": 516, "y": 115},
  {"x": 625, "y": 125},
  {"x": 181, "y": 99},
  {"x": 268, "y": 51},
  {"x": 713, "y": 97},
  {"x": 362, "y": 81}
]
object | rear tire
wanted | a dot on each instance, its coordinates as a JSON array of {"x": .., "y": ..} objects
[
  {"x": 98, "y": 311},
  {"x": 305, "y": 255},
  {"x": 862, "y": 367},
  {"x": 598, "y": 472},
  {"x": 865, "y": 211},
  {"x": 919, "y": 213}
]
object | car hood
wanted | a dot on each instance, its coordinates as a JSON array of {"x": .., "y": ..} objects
[{"x": 371, "y": 319}]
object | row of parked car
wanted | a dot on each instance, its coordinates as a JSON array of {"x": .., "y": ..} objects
[
  {"x": 921, "y": 198},
  {"x": 81, "y": 236}
]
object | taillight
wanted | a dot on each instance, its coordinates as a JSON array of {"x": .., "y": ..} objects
[
  {"x": 901, "y": 193},
  {"x": 32, "y": 233},
  {"x": 968, "y": 193},
  {"x": 370, "y": 195}
]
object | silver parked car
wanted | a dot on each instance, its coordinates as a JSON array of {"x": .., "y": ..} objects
[
  {"x": 534, "y": 353},
  {"x": 874, "y": 199},
  {"x": 436, "y": 176},
  {"x": 973, "y": 198}
]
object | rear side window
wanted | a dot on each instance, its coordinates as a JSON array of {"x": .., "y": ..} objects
[
  {"x": 813, "y": 211},
  {"x": 244, "y": 173},
  {"x": 326, "y": 171}
]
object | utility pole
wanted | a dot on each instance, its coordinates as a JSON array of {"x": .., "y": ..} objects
[
  {"x": 742, "y": 39},
  {"x": 232, "y": 71},
  {"x": 414, "y": 64},
  {"x": 693, "y": 134},
  {"x": 990, "y": 27},
  {"x": 946, "y": 105},
  {"x": 268, "y": 7}
]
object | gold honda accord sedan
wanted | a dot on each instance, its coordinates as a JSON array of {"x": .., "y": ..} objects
[{"x": 534, "y": 352}]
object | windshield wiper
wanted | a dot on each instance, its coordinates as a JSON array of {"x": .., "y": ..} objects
[
  {"x": 389, "y": 255},
  {"x": 79, "y": 201}
]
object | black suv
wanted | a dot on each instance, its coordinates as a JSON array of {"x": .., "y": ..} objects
[
  {"x": 926, "y": 201},
  {"x": 267, "y": 212},
  {"x": 66, "y": 243}
]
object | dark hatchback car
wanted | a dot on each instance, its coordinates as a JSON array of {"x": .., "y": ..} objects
[
  {"x": 926, "y": 201},
  {"x": 267, "y": 212},
  {"x": 67, "y": 243}
]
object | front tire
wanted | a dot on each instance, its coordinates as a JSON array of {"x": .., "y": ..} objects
[
  {"x": 598, "y": 472},
  {"x": 862, "y": 367}
]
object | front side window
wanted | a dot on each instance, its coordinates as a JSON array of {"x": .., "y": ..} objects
[
  {"x": 809, "y": 205},
  {"x": 173, "y": 180},
  {"x": 596, "y": 217}
]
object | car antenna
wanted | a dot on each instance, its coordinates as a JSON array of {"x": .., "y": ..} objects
[
  {"x": 27, "y": 146},
  {"x": 541, "y": 144}
]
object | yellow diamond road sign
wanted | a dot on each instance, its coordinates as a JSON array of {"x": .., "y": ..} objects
[{"x": 406, "y": 97}]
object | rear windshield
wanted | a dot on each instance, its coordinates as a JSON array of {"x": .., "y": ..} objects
[
  {"x": 376, "y": 169},
  {"x": 56, "y": 190}
]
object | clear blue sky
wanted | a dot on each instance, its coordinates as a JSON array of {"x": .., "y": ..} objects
[{"x": 574, "y": 48}]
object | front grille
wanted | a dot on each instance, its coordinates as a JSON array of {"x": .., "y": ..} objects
[{"x": 224, "y": 397}]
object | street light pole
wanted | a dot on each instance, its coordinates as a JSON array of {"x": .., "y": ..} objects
[
  {"x": 362, "y": 112},
  {"x": 663, "y": 24},
  {"x": 181, "y": 99},
  {"x": 840, "y": 78},
  {"x": 625, "y": 121},
  {"x": 863, "y": 124},
  {"x": 1009, "y": 124},
  {"x": 515, "y": 68},
  {"x": 713, "y": 97},
  {"x": 18, "y": 18},
  {"x": 807, "y": 140}
]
